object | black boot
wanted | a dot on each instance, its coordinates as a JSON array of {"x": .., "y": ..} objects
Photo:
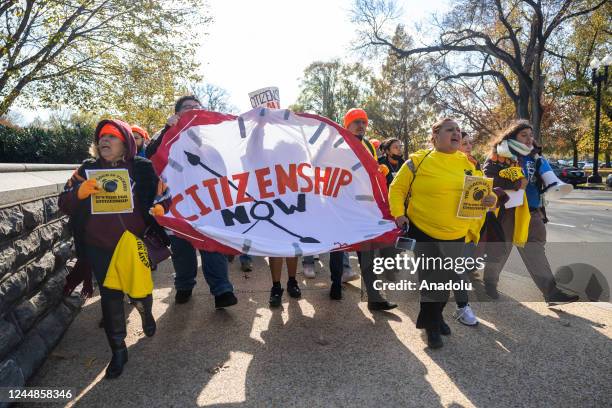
[
  {"x": 558, "y": 298},
  {"x": 145, "y": 309},
  {"x": 293, "y": 289},
  {"x": 491, "y": 290},
  {"x": 434, "y": 340},
  {"x": 445, "y": 330},
  {"x": 383, "y": 305},
  {"x": 182, "y": 296},
  {"x": 224, "y": 300},
  {"x": 276, "y": 296},
  {"x": 114, "y": 326},
  {"x": 335, "y": 292}
]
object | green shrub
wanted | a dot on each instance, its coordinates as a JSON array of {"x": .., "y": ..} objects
[{"x": 36, "y": 145}]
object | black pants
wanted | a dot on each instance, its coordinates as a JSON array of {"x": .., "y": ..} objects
[
  {"x": 366, "y": 264},
  {"x": 111, "y": 300},
  {"x": 434, "y": 301}
]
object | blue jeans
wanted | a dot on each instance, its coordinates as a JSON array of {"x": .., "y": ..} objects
[
  {"x": 214, "y": 267},
  {"x": 309, "y": 259}
]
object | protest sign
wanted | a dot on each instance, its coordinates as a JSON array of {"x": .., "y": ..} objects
[
  {"x": 116, "y": 196},
  {"x": 265, "y": 97},
  {"x": 474, "y": 190},
  {"x": 271, "y": 182}
]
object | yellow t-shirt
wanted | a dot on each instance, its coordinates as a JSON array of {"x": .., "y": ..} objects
[{"x": 436, "y": 192}]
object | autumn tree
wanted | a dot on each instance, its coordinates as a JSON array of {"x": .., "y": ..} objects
[
  {"x": 331, "y": 88},
  {"x": 398, "y": 105},
  {"x": 503, "y": 41},
  {"x": 78, "y": 52},
  {"x": 588, "y": 37}
]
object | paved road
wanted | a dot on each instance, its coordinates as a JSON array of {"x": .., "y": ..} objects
[
  {"x": 582, "y": 216},
  {"x": 317, "y": 352},
  {"x": 579, "y": 237}
]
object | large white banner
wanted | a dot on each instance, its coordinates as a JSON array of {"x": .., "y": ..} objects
[{"x": 271, "y": 182}]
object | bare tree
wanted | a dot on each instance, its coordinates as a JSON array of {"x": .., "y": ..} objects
[
  {"x": 213, "y": 98},
  {"x": 502, "y": 40}
]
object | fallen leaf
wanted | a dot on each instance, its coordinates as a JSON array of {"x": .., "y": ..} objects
[
  {"x": 217, "y": 368},
  {"x": 90, "y": 362},
  {"x": 322, "y": 341}
]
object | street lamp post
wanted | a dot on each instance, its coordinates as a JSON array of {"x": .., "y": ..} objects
[{"x": 597, "y": 79}]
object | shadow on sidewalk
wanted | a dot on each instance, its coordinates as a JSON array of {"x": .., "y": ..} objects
[
  {"x": 525, "y": 355},
  {"x": 319, "y": 352}
]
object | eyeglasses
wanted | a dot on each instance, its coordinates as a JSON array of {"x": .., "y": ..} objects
[{"x": 187, "y": 107}]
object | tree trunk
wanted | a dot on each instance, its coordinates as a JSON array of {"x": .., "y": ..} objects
[
  {"x": 536, "y": 118},
  {"x": 536, "y": 97},
  {"x": 7, "y": 101},
  {"x": 575, "y": 150},
  {"x": 522, "y": 110}
]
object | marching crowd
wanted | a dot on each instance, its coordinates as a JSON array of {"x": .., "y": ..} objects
[{"x": 424, "y": 190}]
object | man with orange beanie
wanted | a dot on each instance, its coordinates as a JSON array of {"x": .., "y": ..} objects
[
  {"x": 356, "y": 122},
  {"x": 184, "y": 257}
]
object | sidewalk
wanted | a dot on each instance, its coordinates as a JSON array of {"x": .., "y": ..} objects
[{"x": 318, "y": 352}]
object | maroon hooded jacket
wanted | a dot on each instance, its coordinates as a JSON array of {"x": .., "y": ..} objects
[{"x": 105, "y": 230}]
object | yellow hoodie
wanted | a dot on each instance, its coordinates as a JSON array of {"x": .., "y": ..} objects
[{"x": 435, "y": 195}]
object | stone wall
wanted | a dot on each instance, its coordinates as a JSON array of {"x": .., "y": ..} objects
[{"x": 35, "y": 245}]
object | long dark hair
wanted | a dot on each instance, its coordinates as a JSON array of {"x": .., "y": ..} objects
[
  {"x": 386, "y": 144},
  {"x": 510, "y": 132}
]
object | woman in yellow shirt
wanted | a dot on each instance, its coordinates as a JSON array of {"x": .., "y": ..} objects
[{"x": 433, "y": 197}]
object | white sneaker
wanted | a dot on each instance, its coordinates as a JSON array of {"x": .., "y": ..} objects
[
  {"x": 466, "y": 316},
  {"x": 348, "y": 275},
  {"x": 308, "y": 271}
]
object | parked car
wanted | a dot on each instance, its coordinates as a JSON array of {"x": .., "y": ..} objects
[
  {"x": 568, "y": 174},
  {"x": 609, "y": 180}
]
